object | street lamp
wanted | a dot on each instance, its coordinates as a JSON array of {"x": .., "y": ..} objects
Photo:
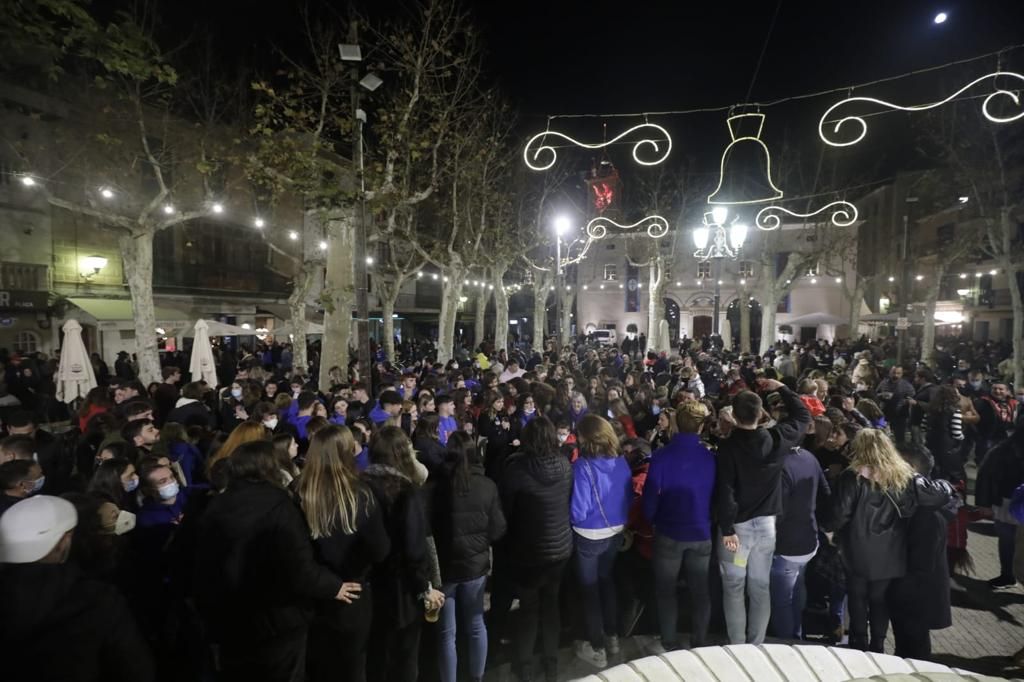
[
  {"x": 713, "y": 241},
  {"x": 562, "y": 226}
]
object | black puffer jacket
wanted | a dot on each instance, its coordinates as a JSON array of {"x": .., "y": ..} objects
[
  {"x": 465, "y": 525},
  {"x": 872, "y": 524},
  {"x": 535, "y": 493}
]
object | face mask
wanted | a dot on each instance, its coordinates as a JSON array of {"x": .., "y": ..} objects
[
  {"x": 271, "y": 423},
  {"x": 131, "y": 485},
  {"x": 656, "y": 410},
  {"x": 562, "y": 437},
  {"x": 168, "y": 491},
  {"x": 975, "y": 384},
  {"x": 530, "y": 410},
  {"x": 610, "y": 415},
  {"x": 236, "y": 393},
  {"x": 37, "y": 485},
  {"x": 125, "y": 522}
]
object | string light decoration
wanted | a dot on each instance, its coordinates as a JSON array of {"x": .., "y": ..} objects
[
  {"x": 749, "y": 145},
  {"x": 861, "y": 125},
  {"x": 844, "y": 214},
  {"x": 657, "y": 226},
  {"x": 660, "y": 145}
]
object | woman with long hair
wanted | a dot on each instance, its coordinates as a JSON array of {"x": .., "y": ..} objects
[
  {"x": 347, "y": 526},
  {"x": 665, "y": 428},
  {"x": 467, "y": 520},
  {"x": 617, "y": 410},
  {"x": 426, "y": 440},
  {"x": 875, "y": 497},
  {"x": 601, "y": 494},
  {"x": 403, "y": 580},
  {"x": 245, "y": 432},
  {"x": 115, "y": 481},
  {"x": 97, "y": 401},
  {"x": 494, "y": 425},
  {"x": 944, "y": 433},
  {"x": 286, "y": 449}
]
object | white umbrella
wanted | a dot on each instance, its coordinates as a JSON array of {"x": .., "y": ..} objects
[
  {"x": 202, "y": 365},
  {"x": 287, "y": 329},
  {"x": 75, "y": 377}
]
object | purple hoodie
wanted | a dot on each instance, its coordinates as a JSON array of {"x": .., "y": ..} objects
[{"x": 677, "y": 493}]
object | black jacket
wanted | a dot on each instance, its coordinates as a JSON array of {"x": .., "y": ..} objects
[
  {"x": 255, "y": 568},
  {"x": 872, "y": 524},
  {"x": 498, "y": 440},
  {"x": 404, "y": 573},
  {"x": 192, "y": 413},
  {"x": 56, "y": 625},
  {"x": 535, "y": 493},
  {"x": 430, "y": 453},
  {"x": 1001, "y": 472},
  {"x": 466, "y": 524},
  {"x": 805, "y": 496},
  {"x": 351, "y": 555},
  {"x": 750, "y": 466},
  {"x": 923, "y": 593}
]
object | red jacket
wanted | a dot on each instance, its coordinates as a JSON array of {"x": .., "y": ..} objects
[{"x": 637, "y": 523}]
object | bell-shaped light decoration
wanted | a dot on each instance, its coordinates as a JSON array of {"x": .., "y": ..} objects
[
  {"x": 737, "y": 235},
  {"x": 700, "y": 237},
  {"x": 745, "y": 174}
]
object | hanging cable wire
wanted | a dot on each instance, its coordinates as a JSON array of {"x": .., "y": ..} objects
[{"x": 764, "y": 48}]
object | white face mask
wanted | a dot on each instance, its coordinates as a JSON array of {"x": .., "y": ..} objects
[
  {"x": 271, "y": 423},
  {"x": 236, "y": 393},
  {"x": 125, "y": 522},
  {"x": 168, "y": 491},
  {"x": 562, "y": 437}
]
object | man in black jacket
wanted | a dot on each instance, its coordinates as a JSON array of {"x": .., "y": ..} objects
[
  {"x": 255, "y": 573},
  {"x": 748, "y": 500},
  {"x": 55, "y": 624},
  {"x": 535, "y": 491}
]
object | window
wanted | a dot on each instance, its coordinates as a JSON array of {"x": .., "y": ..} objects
[
  {"x": 23, "y": 277},
  {"x": 610, "y": 273},
  {"x": 26, "y": 342},
  {"x": 704, "y": 270},
  {"x": 945, "y": 234},
  {"x": 746, "y": 269},
  {"x": 812, "y": 271},
  {"x": 609, "y": 247}
]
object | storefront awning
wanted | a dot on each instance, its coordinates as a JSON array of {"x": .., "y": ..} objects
[{"x": 121, "y": 310}]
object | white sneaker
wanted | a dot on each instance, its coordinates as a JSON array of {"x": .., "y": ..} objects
[
  {"x": 654, "y": 647},
  {"x": 611, "y": 643},
  {"x": 588, "y": 654}
]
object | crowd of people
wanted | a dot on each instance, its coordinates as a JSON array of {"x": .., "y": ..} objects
[{"x": 269, "y": 528}]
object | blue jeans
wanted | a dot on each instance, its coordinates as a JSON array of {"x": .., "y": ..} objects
[
  {"x": 789, "y": 597},
  {"x": 694, "y": 558},
  {"x": 463, "y": 602},
  {"x": 749, "y": 578},
  {"x": 594, "y": 562}
]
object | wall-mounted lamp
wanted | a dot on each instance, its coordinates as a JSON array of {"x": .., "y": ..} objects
[{"x": 91, "y": 266}]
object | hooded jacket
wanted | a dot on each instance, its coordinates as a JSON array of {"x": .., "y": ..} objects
[
  {"x": 677, "y": 493},
  {"x": 535, "y": 494},
  {"x": 601, "y": 494},
  {"x": 56, "y": 625},
  {"x": 750, "y": 465}
]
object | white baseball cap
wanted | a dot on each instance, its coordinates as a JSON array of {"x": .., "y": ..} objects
[{"x": 33, "y": 527}]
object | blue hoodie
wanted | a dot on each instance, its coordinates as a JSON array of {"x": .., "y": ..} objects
[
  {"x": 378, "y": 415},
  {"x": 337, "y": 419},
  {"x": 613, "y": 481},
  {"x": 677, "y": 493},
  {"x": 447, "y": 426}
]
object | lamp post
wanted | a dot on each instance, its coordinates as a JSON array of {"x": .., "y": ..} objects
[
  {"x": 351, "y": 52},
  {"x": 562, "y": 225},
  {"x": 713, "y": 241}
]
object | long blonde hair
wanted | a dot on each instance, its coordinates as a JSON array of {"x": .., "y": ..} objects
[
  {"x": 873, "y": 450},
  {"x": 244, "y": 433},
  {"x": 329, "y": 487}
]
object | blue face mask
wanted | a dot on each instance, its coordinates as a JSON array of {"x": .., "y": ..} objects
[
  {"x": 131, "y": 485},
  {"x": 656, "y": 410}
]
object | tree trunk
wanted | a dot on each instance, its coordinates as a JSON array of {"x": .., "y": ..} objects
[
  {"x": 568, "y": 298},
  {"x": 928, "y": 330},
  {"x": 297, "y": 312},
  {"x": 480, "y": 315},
  {"x": 339, "y": 297},
  {"x": 137, "y": 256},
  {"x": 744, "y": 305},
  {"x": 769, "y": 306},
  {"x": 451, "y": 292},
  {"x": 541, "y": 288},
  {"x": 856, "y": 300},
  {"x": 500, "y": 307},
  {"x": 655, "y": 305},
  {"x": 1017, "y": 327},
  {"x": 388, "y": 295}
]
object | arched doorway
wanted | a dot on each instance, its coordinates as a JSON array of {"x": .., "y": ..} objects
[
  {"x": 672, "y": 315},
  {"x": 702, "y": 326},
  {"x": 732, "y": 313}
]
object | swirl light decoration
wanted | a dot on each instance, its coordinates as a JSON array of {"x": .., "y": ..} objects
[
  {"x": 657, "y": 227},
  {"x": 862, "y": 126},
  {"x": 660, "y": 146},
  {"x": 844, "y": 214}
]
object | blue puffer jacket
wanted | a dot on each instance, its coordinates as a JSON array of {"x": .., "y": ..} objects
[{"x": 611, "y": 479}]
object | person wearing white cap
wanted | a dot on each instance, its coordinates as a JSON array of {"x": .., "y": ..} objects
[{"x": 61, "y": 625}]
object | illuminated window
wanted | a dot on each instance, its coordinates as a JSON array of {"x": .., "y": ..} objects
[
  {"x": 746, "y": 269},
  {"x": 704, "y": 270},
  {"x": 610, "y": 273}
]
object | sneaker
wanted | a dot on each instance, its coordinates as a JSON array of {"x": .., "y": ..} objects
[
  {"x": 611, "y": 643},
  {"x": 1001, "y": 582},
  {"x": 588, "y": 654},
  {"x": 655, "y": 647}
]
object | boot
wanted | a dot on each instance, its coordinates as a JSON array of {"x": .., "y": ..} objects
[{"x": 858, "y": 642}]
